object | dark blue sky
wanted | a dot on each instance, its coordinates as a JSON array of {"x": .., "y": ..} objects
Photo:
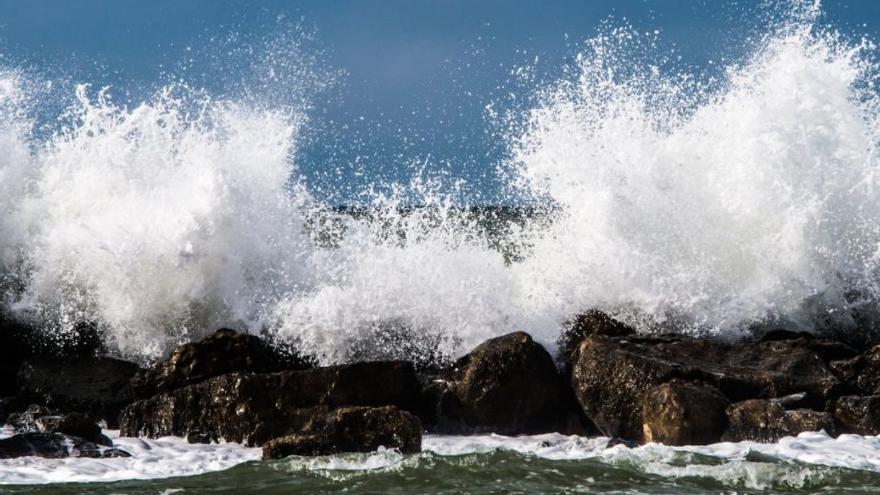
[{"x": 415, "y": 75}]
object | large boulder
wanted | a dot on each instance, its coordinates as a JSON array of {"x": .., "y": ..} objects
[
  {"x": 53, "y": 446},
  {"x": 254, "y": 408},
  {"x": 507, "y": 385},
  {"x": 224, "y": 351},
  {"x": 859, "y": 415},
  {"x": 862, "y": 373},
  {"x": 684, "y": 413},
  {"x": 611, "y": 375},
  {"x": 767, "y": 421},
  {"x": 351, "y": 429},
  {"x": 98, "y": 386}
]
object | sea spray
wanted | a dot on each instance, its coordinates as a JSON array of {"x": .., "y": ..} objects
[{"x": 672, "y": 200}]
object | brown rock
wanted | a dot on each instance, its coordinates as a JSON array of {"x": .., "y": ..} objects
[
  {"x": 507, "y": 385},
  {"x": 254, "y": 408},
  {"x": 859, "y": 415},
  {"x": 684, "y": 413},
  {"x": 351, "y": 429},
  {"x": 611, "y": 375},
  {"x": 766, "y": 421},
  {"x": 224, "y": 351}
]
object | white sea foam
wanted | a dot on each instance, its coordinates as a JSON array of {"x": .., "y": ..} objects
[
  {"x": 703, "y": 206},
  {"x": 150, "y": 458},
  {"x": 793, "y": 461}
]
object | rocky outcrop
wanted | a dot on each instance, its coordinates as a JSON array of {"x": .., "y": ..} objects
[
  {"x": 98, "y": 386},
  {"x": 38, "y": 419},
  {"x": 257, "y": 407},
  {"x": 611, "y": 376},
  {"x": 224, "y": 351},
  {"x": 684, "y": 413},
  {"x": 506, "y": 385},
  {"x": 351, "y": 429},
  {"x": 53, "y": 446},
  {"x": 859, "y": 415},
  {"x": 767, "y": 421}
]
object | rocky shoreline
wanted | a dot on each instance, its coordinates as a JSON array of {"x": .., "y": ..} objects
[{"x": 607, "y": 381}]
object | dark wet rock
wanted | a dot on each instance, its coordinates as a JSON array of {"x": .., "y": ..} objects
[
  {"x": 684, "y": 413},
  {"x": 766, "y": 421},
  {"x": 98, "y": 386},
  {"x": 36, "y": 418},
  {"x": 14, "y": 348},
  {"x": 585, "y": 325},
  {"x": 53, "y": 446},
  {"x": 611, "y": 375},
  {"x": 26, "y": 419},
  {"x": 507, "y": 385},
  {"x": 224, "y": 351},
  {"x": 254, "y": 408},
  {"x": 351, "y": 429},
  {"x": 859, "y": 415},
  {"x": 861, "y": 373}
]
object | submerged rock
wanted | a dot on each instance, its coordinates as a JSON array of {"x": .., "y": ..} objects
[
  {"x": 684, "y": 413},
  {"x": 351, "y": 429},
  {"x": 254, "y": 408},
  {"x": 859, "y": 415},
  {"x": 767, "y": 421},
  {"x": 98, "y": 386},
  {"x": 53, "y": 446},
  {"x": 224, "y": 351},
  {"x": 507, "y": 385},
  {"x": 611, "y": 376}
]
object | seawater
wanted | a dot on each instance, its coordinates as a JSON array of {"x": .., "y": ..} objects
[{"x": 809, "y": 463}]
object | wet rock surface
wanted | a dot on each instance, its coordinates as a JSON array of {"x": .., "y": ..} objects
[
  {"x": 767, "y": 421},
  {"x": 351, "y": 429},
  {"x": 224, "y": 351},
  {"x": 859, "y": 415},
  {"x": 257, "y": 407},
  {"x": 98, "y": 386},
  {"x": 611, "y": 376},
  {"x": 53, "y": 446},
  {"x": 507, "y": 385},
  {"x": 684, "y": 413}
]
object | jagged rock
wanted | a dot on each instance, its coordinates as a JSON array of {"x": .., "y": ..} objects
[
  {"x": 98, "y": 386},
  {"x": 611, "y": 375},
  {"x": 351, "y": 429},
  {"x": 224, "y": 351},
  {"x": 507, "y": 385},
  {"x": 684, "y": 413},
  {"x": 766, "y": 421},
  {"x": 859, "y": 415},
  {"x": 254, "y": 408},
  {"x": 36, "y": 418},
  {"x": 862, "y": 373},
  {"x": 53, "y": 446},
  {"x": 587, "y": 324}
]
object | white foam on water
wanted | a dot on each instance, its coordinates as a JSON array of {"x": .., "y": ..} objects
[
  {"x": 793, "y": 461},
  {"x": 150, "y": 458}
]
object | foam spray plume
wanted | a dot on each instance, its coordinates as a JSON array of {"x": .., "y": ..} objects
[{"x": 676, "y": 204}]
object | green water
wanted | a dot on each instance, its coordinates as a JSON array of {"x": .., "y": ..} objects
[{"x": 496, "y": 472}]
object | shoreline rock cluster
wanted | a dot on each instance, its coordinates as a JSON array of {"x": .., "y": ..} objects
[{"x": 607, "y": 380}]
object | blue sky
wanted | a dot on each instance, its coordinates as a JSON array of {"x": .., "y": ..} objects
[{"x": 414, "y": 76}]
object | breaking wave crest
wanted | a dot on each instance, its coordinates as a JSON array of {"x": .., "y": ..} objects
[{"x": 664, "y": 197}]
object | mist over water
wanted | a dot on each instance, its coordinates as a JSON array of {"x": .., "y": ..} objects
[{"x": 664, "y": 197}]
